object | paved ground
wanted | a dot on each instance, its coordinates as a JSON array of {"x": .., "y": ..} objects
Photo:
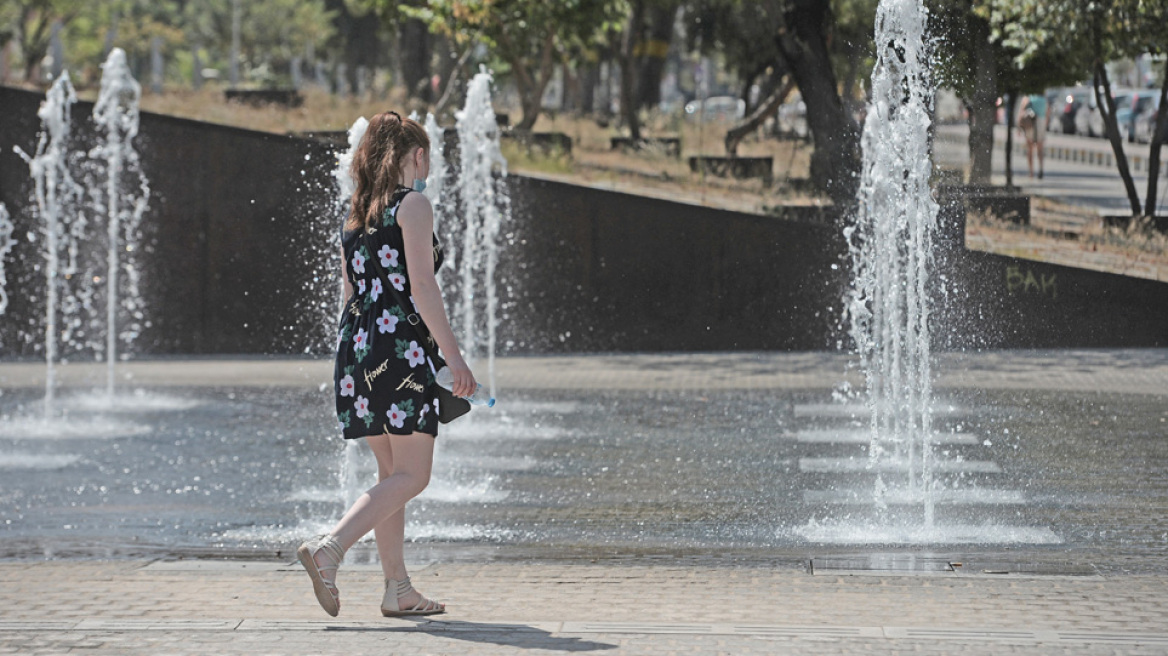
[
  {"x": 200, "y": 607},
  {"x": 647, "y": 605}
]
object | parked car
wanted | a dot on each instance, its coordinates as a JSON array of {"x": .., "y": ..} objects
[
  {"x": 717, "y": 108},
  {"x": 1123, "y": 113},
  {"x": 1145, "y": 123},
  {"x": 1141, "y": 102}
]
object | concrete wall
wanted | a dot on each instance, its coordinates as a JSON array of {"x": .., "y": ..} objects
[{"x": 234, "y": 263}]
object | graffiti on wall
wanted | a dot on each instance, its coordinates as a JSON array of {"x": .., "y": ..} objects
[{"x": 1022, "y": 280}]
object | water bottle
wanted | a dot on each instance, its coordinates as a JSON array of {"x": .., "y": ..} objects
[{"x": 446, "y": 379}]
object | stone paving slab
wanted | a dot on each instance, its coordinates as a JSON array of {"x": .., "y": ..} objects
[
  {"x": 1131, "y": 371},
  {"x": 131, "y": 607}
]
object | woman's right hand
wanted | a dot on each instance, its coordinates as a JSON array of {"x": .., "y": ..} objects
[{"x": 464, "y": 381}]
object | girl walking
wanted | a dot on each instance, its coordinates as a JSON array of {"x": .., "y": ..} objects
[{"x": 384, "y": 382}]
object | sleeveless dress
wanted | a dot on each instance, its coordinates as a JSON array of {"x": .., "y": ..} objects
[{"x": 384, "y": 381}]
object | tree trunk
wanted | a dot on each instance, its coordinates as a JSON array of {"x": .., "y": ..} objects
[
  {"x": 835, "y": 163},
  {"x": 34, "y": 42},
  {"x": 570, "y": 89},
  {"x": 453, "y": 83},
  {"x": 415, "y": 59},
  {"x": 1011, "y": 107},
  {"x": 981, "y": 106},
  {"x": 653, "y": 53},
  {"x": 628, "y": 91},
  {"x": 765, "y": 109},
  {"x": 589, "y": 78},
  {"x": 531, "y": 87},
  {"x": 1159, "y": 132},
  {"x": 1107, "y": 108}
]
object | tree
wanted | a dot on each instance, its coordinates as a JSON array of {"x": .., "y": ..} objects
[
  {"x": 530, "y": 38},
  {"x": 1105, "y": 30},
  {"x": 272, "y": 32},
  {"x": 803, "y": 41},
  {"x": 743, "y": 34},
  {"x": 33, "y": 26}
]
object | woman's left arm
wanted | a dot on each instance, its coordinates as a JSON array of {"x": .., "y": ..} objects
[{"x": 416, "y": 218}]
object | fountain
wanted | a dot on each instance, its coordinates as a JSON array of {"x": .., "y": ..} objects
[
  {"x": 55, "y": 193},
  {"x": 891, "y": 247},
  {"x": 483, "y": 208},
  {"x": 127, "y": 194}
]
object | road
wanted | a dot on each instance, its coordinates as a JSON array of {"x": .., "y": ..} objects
[{"x": 1097, "y": 184}]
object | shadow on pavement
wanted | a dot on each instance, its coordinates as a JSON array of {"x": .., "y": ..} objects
[{"x": 512, "y": 635}]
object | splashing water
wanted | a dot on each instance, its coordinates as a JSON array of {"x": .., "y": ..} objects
[
  {"x": 484, "y": 207},
  {"x": 127, "y": 194},
  {"x": 346, "y": 185},
  {"x": 891, "y": 248},
  {"x": 6, "y": 244},
  {"x": 55, "y": 193},
  {"x": 436, "y": 181}
]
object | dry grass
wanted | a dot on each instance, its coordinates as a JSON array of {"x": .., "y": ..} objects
[
  {"x": 592, "y": 160},
  {"x": 1074, "y": 236}
]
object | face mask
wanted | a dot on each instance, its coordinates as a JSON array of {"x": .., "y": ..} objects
[{"x": 419, "y": 184}]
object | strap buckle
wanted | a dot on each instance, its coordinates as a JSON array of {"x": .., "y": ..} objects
[{"x": 414, "y": 319}]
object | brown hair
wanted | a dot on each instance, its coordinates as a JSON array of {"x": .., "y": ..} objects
[{"x": 377, "y": 164}]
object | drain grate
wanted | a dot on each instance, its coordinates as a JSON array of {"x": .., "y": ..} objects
[{"x": 878, "y": 564}]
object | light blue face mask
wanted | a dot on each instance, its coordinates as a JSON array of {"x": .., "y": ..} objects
[{"x": 419, "y": 184}]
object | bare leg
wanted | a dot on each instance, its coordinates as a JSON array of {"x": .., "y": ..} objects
[
  {"x": 1041, "y": 157},
  {"x": 411, "y": 459},
  {"x": 403, "y": 464},
  {"x": 390, "y": 533},
  {"x": 1030, "y": 156}
]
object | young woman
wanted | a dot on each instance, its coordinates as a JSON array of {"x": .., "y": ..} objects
[
  {"x": 1033, "y": 117},
  {"x": 385, "y": 387}
]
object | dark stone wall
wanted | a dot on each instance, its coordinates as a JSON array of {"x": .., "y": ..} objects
[
  {"x": 234, "y": 265},
  {"x": 227, "y": 261},
  {"x": 610, "y": 271}
]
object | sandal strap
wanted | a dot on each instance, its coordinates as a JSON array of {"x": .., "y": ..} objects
[
  {"x": 331, "y": 548},
  {"x": 403, "y": 587}
]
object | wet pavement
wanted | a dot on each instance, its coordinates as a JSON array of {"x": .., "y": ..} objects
[{"x": 722, "y": 502}]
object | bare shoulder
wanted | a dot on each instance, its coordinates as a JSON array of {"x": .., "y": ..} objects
[{"x": 416, "y": 209}]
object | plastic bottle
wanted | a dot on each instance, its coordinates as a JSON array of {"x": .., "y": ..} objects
[{"x": 446, "y": 379}]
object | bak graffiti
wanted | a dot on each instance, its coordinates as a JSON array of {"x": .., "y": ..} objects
[{"x": 1019, "y": 280}]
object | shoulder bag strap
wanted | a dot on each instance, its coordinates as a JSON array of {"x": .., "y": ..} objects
[{"x": 412, "y": 317}]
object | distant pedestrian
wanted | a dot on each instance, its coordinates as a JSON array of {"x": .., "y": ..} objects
[
  {"x": 1033, "y": 117},
  {"x": 384, "y": 377}
]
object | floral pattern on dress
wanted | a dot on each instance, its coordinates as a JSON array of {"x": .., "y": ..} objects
[
  {"x": 381, "y": 382},
  {"x": 388, "y": 257},
  {"x": 387, "y": 322},
  {"x": 410, "y": 352}
]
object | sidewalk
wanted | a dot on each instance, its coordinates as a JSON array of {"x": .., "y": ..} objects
[{"x": 234, "y": 607}]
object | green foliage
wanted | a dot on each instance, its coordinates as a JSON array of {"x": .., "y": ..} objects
[
  {"x": 1025, "y": 61},
  {"x": 271, "y": 31}
]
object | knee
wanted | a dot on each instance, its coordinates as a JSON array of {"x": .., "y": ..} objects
[{"x": 416, "y": 482}]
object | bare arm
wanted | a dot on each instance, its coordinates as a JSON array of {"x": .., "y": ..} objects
[
  {"x": 417, "y": 223},
  {"x": 346, "y": 286}
]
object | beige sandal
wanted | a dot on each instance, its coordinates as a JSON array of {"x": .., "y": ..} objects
[
  {"x": 324, "y": 586},
  {"x": 395, "y": 590}
]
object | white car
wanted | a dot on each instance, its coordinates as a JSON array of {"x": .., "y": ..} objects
[{"x": 717, "y": 108}]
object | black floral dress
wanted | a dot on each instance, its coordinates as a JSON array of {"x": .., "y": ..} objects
[{"x": 384, "y": 381}]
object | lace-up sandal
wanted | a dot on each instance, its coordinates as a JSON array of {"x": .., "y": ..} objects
[
  {"x": 324, "y": 586},
  {"x": 395, "y": 590}
]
